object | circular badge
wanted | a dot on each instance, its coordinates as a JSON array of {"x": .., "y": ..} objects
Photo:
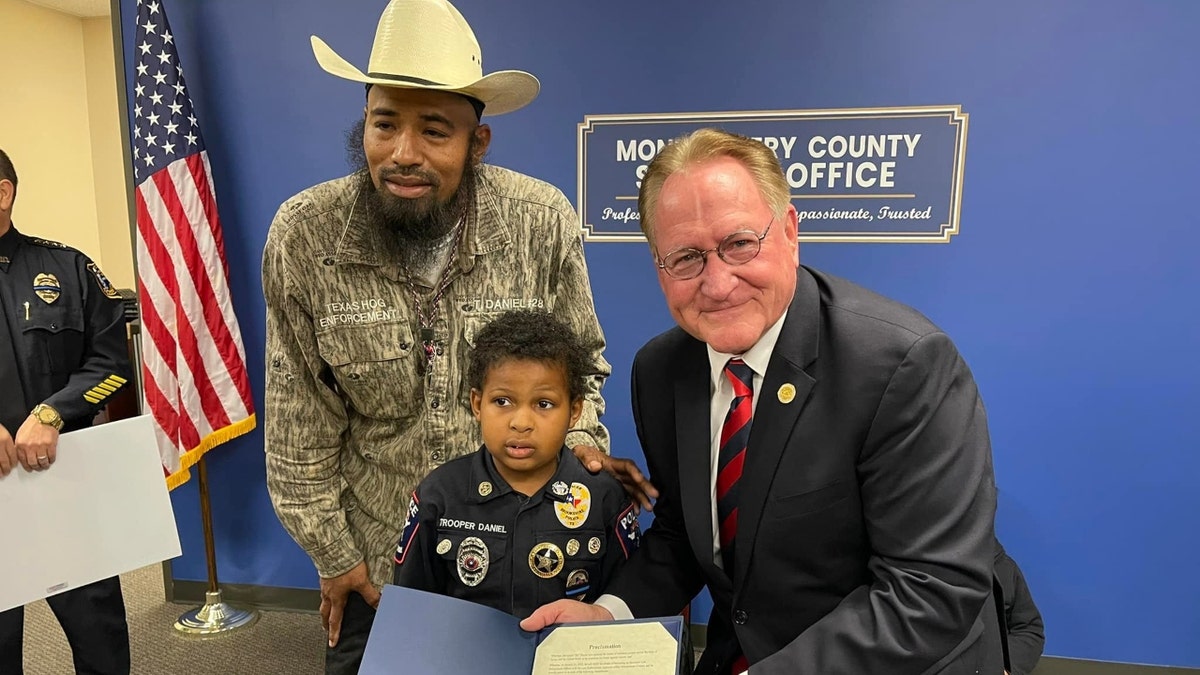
[
  {"x": 594, "y": 545},
  {"x": 559, "y": 488},
  {"x": 573, "y": 547},
  {"x": 787, "y": 392},
  {"x": 443, "y": 547},
  {"x": 577, "y": 584},
  {"x": 573, "y": 510},
  {"x": 485, "y": 489},
  {"x": 472, "y": 561},
  {"x": 546, "y": 560}
]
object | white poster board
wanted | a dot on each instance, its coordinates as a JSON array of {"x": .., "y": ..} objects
[{"x": 101, "y": 510}]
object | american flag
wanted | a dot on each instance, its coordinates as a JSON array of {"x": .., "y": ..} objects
[{"x": 193, "y": 360}]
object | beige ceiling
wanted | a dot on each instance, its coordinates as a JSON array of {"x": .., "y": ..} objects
[{"x": 83, "y": 8}]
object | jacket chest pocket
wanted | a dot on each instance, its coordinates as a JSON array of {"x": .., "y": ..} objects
[
  {"x": 374, "y": 367},
  {"x": 54, "y": 333},
  {"x": 472, "y": 558},
  {"x": 472, "y": 324}
]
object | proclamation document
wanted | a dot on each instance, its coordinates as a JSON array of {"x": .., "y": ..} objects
[
  {"x": 646, "y": 647},
  {"x": 102, "y": 509},
  {"x": 419, "y": 632}
]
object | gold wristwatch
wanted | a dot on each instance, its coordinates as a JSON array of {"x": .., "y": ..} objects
[{"x": 47, "y": 415}]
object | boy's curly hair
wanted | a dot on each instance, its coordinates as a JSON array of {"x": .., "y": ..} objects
[{"x": 530, "y": 334}]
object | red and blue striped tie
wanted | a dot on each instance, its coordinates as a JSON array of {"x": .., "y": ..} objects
[{"x": 735, "y": 435}]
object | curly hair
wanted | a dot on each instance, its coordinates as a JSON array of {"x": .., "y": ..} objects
[{"x": 534, "y": 335}]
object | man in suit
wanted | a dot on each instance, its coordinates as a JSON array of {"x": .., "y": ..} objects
[
  {"x": 839, "y": 502},
  {"x": 1022, "y": 620}
]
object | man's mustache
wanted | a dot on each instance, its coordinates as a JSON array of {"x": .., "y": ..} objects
[{"x": 411, "y": 172}]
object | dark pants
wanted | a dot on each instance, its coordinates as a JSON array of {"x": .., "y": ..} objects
[
  {"x": 346, "y": 657},
  {"x": 92, "y": 616}
]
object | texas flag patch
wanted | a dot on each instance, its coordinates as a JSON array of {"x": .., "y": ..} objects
[
  {"x": 629, "y": 531},
  {"x": 410, "y": 528}
]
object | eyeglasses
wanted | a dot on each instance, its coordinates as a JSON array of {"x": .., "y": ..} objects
[{"x": 738, "y": 248}]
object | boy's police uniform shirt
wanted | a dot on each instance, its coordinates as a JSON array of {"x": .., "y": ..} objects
[
  {"x": 64, "y": 327},
  {"x": 471, "y": 536}
]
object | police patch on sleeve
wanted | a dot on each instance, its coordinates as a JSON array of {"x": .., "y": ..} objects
[
  {"x": 629, "y": 531},
  {"x": 106, "y": 286},
  {"x": 410, "y": 528}
]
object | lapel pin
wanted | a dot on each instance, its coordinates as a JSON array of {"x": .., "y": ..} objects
[{"x": 786, "y": 393}]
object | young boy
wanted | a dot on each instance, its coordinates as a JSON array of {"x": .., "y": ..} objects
[{"x": 520, "y": 522}]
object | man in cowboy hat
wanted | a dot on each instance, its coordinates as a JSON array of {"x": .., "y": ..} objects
[{"x": 376, "y": 284}]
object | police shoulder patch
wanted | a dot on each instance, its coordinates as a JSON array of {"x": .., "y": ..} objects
[
  {"x": 629, "y": 531},
  {"x": 106, "y": 286},
  {"x": 410, "y": 528}
]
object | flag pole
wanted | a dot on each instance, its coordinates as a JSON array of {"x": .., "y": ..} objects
[{"x": 215, "y": 617}]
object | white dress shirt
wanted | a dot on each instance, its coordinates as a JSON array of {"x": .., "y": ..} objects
[{"x": 721, "y": 393}]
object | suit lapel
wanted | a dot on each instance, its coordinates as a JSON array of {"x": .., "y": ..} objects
[
  {"x": 693, "y": 438},
  {"x": 785, "y": 391}
]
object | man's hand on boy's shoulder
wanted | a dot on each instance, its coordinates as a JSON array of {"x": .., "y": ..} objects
[{"x": 625, "y": 470}]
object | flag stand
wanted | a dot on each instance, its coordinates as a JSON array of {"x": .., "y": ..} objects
[{"x": 215, "y": 617}]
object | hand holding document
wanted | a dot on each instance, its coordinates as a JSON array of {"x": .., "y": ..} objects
[
  {"x": 102, "y": 509},
  {"x": 419, "y": 632}
]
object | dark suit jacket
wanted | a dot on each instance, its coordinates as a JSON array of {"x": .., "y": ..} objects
[
  {"x": 865, "y": 533},
  {"x": 1026, "y": 633}
]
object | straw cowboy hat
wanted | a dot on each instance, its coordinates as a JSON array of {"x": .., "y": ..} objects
[{"x": 427, "y": 44}]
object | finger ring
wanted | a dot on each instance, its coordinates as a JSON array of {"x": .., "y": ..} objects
[{"x": 42, "y": 458}]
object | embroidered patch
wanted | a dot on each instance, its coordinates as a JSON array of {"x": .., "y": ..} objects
[
  {"x": 573, "y": 510},
  {"x": 410, "y": 528},
  {"x": 105, "y": 389},
  {"x": 106, "y": 286},
  {"x": 629, "y": 531}
]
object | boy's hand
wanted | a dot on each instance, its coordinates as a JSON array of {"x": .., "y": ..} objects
[
  {"x": 564, "y": 611},
  {"x": 639, "y": 488}
]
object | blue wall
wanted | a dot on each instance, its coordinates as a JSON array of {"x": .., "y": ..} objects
[{"x": 1067, "y": 289}]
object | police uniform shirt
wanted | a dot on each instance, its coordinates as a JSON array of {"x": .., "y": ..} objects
[
  {"x": 471, "y": 536},
  {"x": 65, "y": 330}
]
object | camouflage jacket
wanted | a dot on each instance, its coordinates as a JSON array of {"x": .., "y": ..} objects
[{"x": 354, "y": 417}]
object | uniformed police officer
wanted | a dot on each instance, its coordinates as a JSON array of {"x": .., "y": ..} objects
[{"x": 62, "y": 357}]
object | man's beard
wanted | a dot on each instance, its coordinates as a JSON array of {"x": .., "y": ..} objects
[{"x": 419, "y": 223}]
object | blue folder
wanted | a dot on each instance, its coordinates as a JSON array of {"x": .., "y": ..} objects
[{"x": 419, "y": 632}]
